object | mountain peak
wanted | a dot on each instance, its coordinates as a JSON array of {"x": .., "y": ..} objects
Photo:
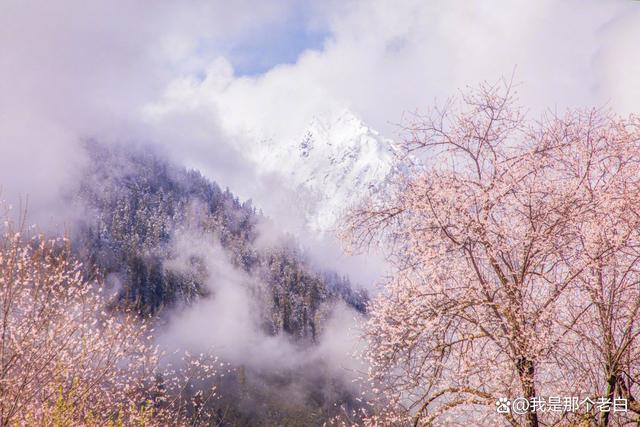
[{"x": 337, "y": 161}]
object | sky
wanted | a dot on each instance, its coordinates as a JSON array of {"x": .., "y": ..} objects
[{"x": 205, "y": 81}]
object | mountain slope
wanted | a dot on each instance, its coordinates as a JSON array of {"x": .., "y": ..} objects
[{"x": 139, "y": 207}]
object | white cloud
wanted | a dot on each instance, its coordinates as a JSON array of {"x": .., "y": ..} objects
[
  {"x": 384, "y": 58},
  {"x": 229, "y": 320}
]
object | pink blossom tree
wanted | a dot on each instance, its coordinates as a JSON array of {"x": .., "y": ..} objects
[
  {"x": 497, "y": 227},
  {"x": 67, "y": 359},
  {"x": 604, "y": 350}
]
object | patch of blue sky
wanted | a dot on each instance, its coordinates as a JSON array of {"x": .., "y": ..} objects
[{"x": 276, "y": 44}]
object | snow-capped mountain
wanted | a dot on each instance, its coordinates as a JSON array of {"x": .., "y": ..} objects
[{"x": 332, "y": 165}]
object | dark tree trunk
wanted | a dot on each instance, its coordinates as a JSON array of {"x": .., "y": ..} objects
[
  {"x": 609, "y": 394},
  {"x": 526, "y": 371}
]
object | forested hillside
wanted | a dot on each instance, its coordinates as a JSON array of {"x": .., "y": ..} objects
[{"x": 137, "y": 205}]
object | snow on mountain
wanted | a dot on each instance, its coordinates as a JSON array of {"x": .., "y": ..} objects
[{"x": 333, "y": 164}]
